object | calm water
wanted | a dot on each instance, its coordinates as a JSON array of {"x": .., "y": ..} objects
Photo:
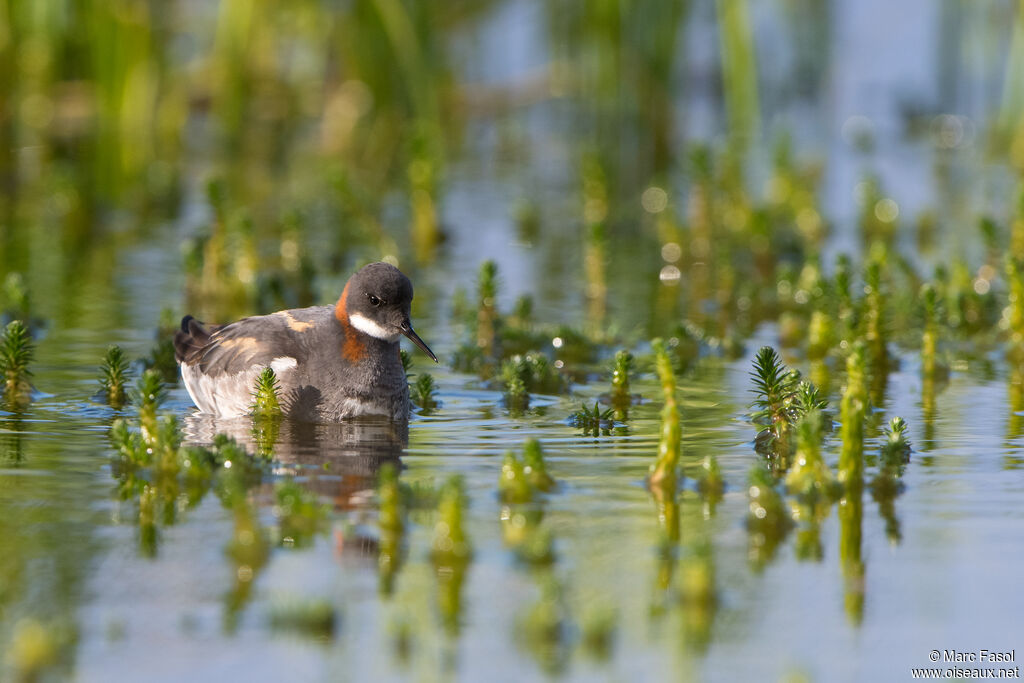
[
  {"x": 71, "y": 556},
  {"x": 949, "y": 583}
]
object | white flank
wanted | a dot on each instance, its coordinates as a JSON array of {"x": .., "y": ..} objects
[
  {"x": 282, "y": 363},
  {"x": 228, "y": 395},
  {"x": 367, "y": 326}
]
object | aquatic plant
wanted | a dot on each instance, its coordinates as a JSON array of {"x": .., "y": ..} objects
[
  {"x": 665, "y": 470},
  {"x": 846, "y": 313},
  {"x": 300, "y": 515},
  {"x": 451, "y": 545},
  {"x": 852, "y": 411},
  {"x": 810, "y": 479},
  {"x": 265, "y": 403},
  {"x": 535, "y": 468},
  {"x": 517, "y": 397},
  {"x": 698, "y": 593},
  {"x": 930, "y": 366},
  {"x": 710, "y": 481},
  {"x": 513, "y": 486},
  {"x": 248, "y": 551},
  {"x": 34, "y": 648},
  {"x": 391, "y": 522},
  {"x": 873, "y": 316},
  {"x": 896, "y": 450},
  {"x": 150, "y": 394},
  {"x": 768, "y": 519},
  {"x": 851, "y": 517},
  {"x": 487, "y": 320},
  {"x": 535, "y": 545},
  {"x": 424, "y": 393},
  {"x": 775, "y": 387},
  {"x": 115, "y": 377},
  {"x": 314, "y": 618},
  {"x": 545, "y": 627},
  {"x": 1013, "y": 315},
  {"x": 529, "y": 373},
  {"x": 887, "y": 484},
  {"x": 451, "y": 551},
  {"x": 820, "y": 335},
  {"x": 595, "y": 246},
  {"x": 522, "y": 479},
  {"x": 783, "y": 397},
  {"x": 16, "y": 353},
  {"x": 598, "y": 626},
  {"x": 593, "y": 422},
  {"x": 620, "y": 396}
]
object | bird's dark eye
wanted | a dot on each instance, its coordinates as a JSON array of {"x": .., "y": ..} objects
[{"x": 374, "y": 300}]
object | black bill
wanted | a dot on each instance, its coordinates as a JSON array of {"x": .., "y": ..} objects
[{"x": 415, "y": 338}]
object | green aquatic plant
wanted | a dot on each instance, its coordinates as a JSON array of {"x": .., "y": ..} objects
[
  {"x": 820, "y": 335},
  {"x": 424, "y": 393},
  {"x": 710, "y": 481},
  {"x": 314, "y": 618},
  {"x": 930, "y": 366},
  {"x": 698, "y": 593},
  {"x": 1013, "y": 315},
  {"x": 896, "y": 450},
  {"x": 535, "y": 468},
  {"x": 451, "y": 552},
  {"x": 545, "y": 627},
  {"x": 522, "y": 479},
  {"x": 846, "y": 308},
  {"x": 15, "y": 299},
  {"x": 598, "y": 626},
  {"x": 852, "y": 411},
  {"x": 775, "y": 387},
  {"x": 513, "y": 486},
  {"x": 391, "y": 521},
  {"x": 783, "y": 398},
  {"x": 810, "y": 479},
  {"x": 487, "y": 319},
  {"x": 537, "y": 373},
  {"x": 300, "y": 515},
  {"x": 535, "y": 546},
  {"x": 664, "y": 472},
  {"x": 620, "y": 396},
  {"x": 873, "y": 317},
  {"x": 529, "y": 373},
  {"x": 114, "y": 382},
  {"x": 36, "y": 648},
  {"x": 851, "y": 518},
  {"x": 887, "y": 484},
  {"x": 768, "y": 519},
  {"x": 516, "y": 395},
  {"x": 16, "y": 353},
  {"x": 593, "y": 422},
  {"x": 149, "y": 395},
  {"x": 248, "y": 552},
  {"x": 451, "y": 544},
  {"x": 266, "y": 412},
  {"x": 265, "y": 403}
]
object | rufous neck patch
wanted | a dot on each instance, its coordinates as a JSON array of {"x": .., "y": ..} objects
[{"x": 353, "y": 349}]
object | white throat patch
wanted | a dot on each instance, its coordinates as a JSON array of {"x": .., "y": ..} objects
[{"x": 367, "y": 326}]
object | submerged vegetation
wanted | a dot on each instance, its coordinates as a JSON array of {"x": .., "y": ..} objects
[
  {"x": 16, "y": 352},
  {"x": 114, "y": 382}
]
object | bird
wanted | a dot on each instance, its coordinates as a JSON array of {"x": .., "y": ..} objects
[{"x": 332, "y": 362}]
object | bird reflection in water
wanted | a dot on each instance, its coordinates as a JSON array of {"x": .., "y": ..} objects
[{"x": 338, "y": 462}]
